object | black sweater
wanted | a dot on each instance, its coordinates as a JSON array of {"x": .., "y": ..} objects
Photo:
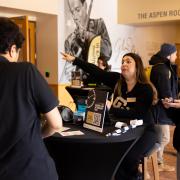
[{"x": 137, "y": 102}]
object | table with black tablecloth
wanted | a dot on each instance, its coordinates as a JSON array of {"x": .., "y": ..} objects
[{"x": 92, "y": 156}]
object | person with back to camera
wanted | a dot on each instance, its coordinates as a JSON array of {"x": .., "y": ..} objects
[
  {"x": 133, "y": 87},
  {"x": 24, "y": 95},
  {"x": 164, "y": 77},
  {"x": 173, "y": 110}
]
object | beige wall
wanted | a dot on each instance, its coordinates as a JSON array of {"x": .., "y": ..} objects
[
  {"x": 149, "y": 38},
  {"x": 43, "y": 6},
  {"x": 178, "y": 33},
  {"x": 47, "y": 46},
  {"x": 142, "y": 11}
]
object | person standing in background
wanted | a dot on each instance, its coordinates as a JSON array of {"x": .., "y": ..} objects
[
  {"x": 164, "y": 77},
  {"x": 77, "y": 43},
  {"x": 24, "y": 95}
]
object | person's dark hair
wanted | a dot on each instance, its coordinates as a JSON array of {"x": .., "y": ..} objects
[
  {"x": 105, "y": 63},
  {"x": 9, "y": 35}
]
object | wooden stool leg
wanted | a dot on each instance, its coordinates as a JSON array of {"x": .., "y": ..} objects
[
  {"x": 153, "y": 158},
  {"x": 144, "y": 168},
  {"x": 155, "y": 165}
]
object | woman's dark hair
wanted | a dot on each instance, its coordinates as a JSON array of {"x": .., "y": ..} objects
[
  {"x": 9, "y": 35},
  {"x": 105, "y": 64}
]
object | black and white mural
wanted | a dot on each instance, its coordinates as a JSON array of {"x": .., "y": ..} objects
[
  {"x": 80, "y": 29},
  {"x": 86, "y": 19}
]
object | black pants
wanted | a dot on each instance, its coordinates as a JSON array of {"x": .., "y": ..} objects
[{"x": 128, "y": 169}]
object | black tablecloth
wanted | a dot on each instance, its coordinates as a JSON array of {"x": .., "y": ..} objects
[{"x": 92, "y": 156}]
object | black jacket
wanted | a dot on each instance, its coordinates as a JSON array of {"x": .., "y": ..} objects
[{"x": 164, "y": 77}]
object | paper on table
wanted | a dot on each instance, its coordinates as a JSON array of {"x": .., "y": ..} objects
[
  {"x": 120, "y": 124},
  {"x": 72, "y": 133}
]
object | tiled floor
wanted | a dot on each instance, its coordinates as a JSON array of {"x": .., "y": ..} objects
[{"x": 170, "y": 159}]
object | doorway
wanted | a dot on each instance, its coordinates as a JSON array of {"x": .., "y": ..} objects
[{"x": 28, "y": 28}]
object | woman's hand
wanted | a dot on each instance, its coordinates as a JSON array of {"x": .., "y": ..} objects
[{"x": 67, "y": 57}]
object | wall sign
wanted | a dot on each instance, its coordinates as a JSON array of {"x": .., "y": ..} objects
[{"x": 158, "y": 14}]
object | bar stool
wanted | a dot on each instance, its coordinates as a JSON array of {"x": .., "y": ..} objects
[{"x": 152, "y": 155}]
